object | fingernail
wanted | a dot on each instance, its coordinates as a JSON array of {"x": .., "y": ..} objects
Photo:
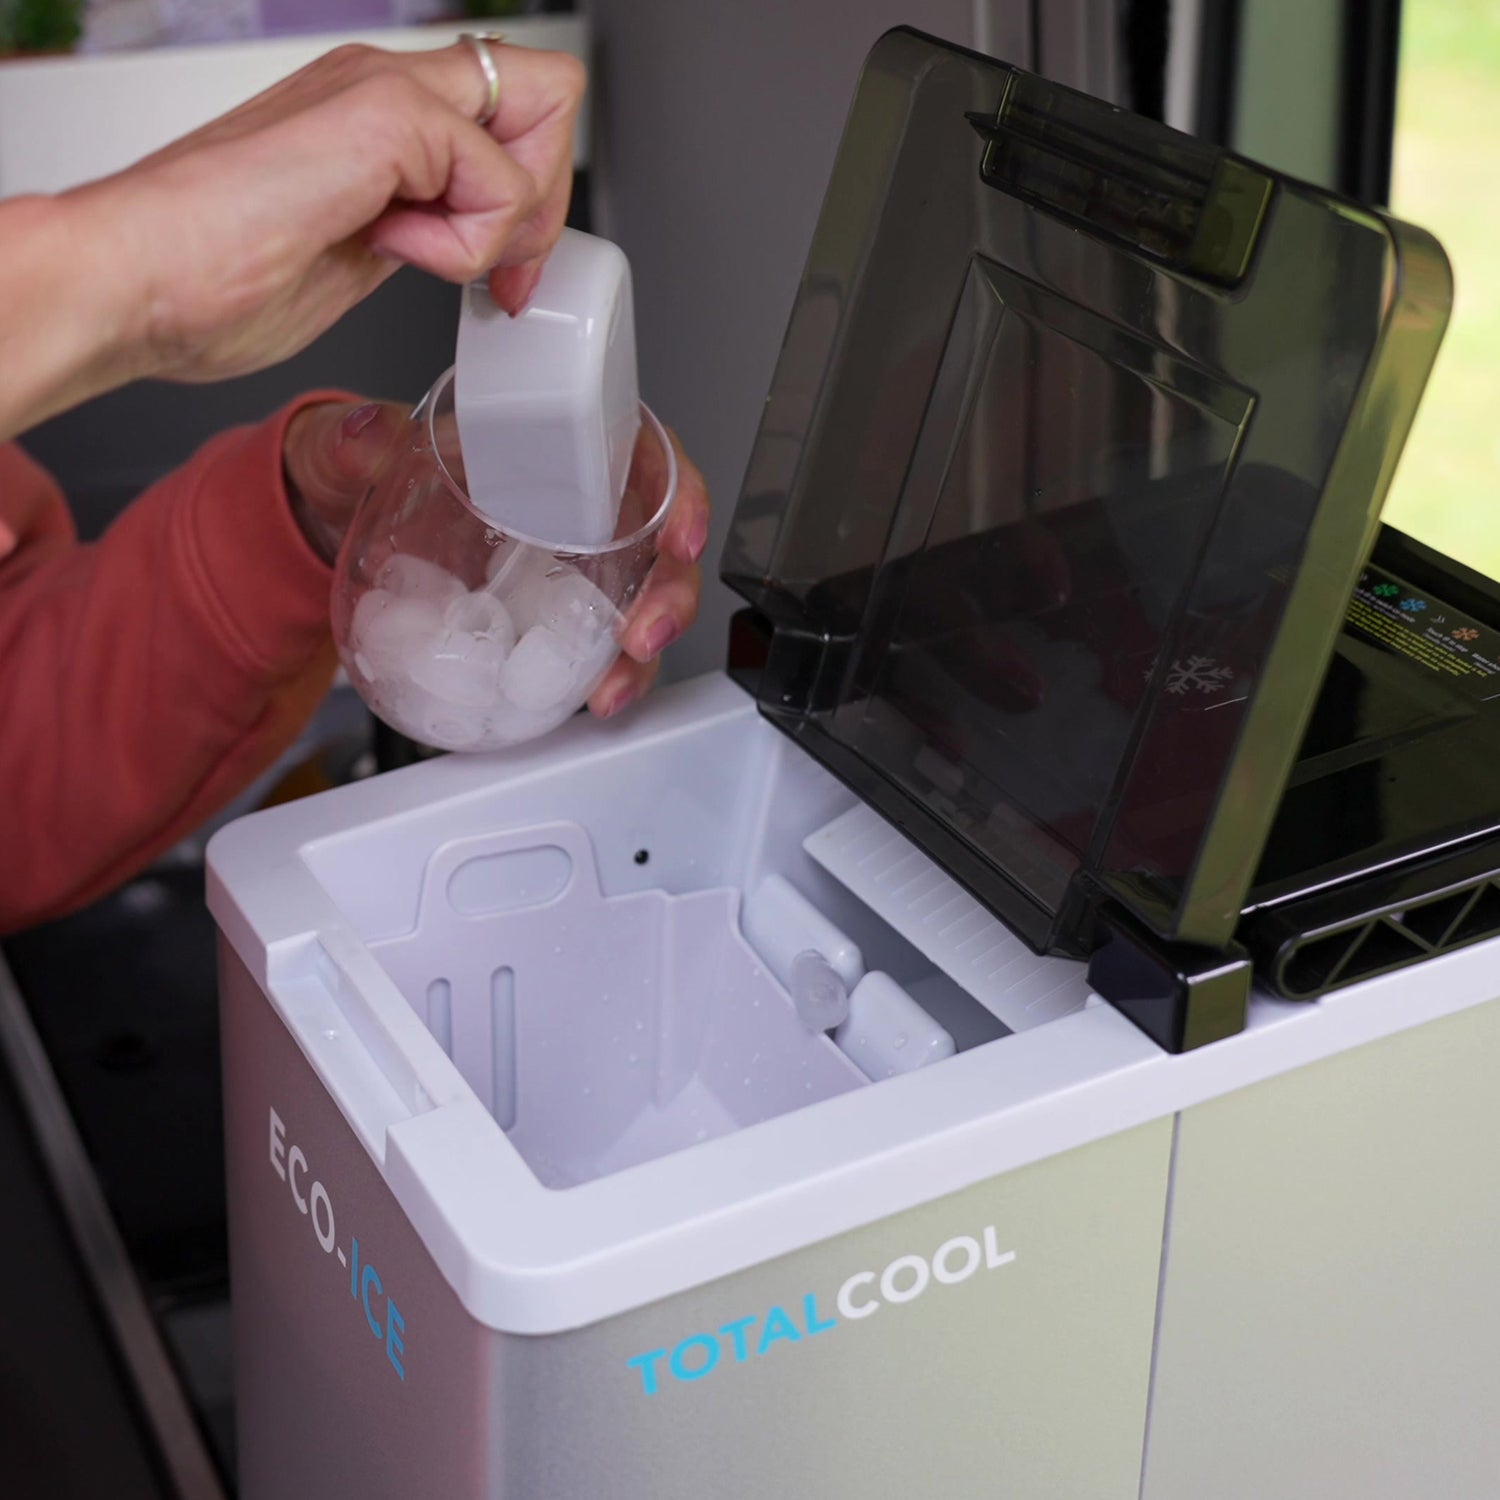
[
  {"x": 516, "y": 288},
  {"x": 530, "y": 297},
  {"x": 659, "y": 637},
  {"x": 620, "y": 702},
  {"x": 698, "y": 538},
  {"x": 360, "y": 418}
]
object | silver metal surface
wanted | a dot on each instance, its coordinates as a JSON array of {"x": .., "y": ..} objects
[
  {"x": 1330, "y": 1310},
  {"x": 138, "y": 1341},
  {"x": 712, "y": 293},
  {"x": 838, "y": 1372},
  {"x": 1005, "y": 29},
  {"x": 1078, "y": 43}
]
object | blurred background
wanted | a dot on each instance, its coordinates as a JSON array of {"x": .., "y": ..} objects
[
  {"x": 1447, "y": 146},
  {"x": 704, "y": 151}
]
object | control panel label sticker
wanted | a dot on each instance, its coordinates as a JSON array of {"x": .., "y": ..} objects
[{"x": 1392, "y": 613}]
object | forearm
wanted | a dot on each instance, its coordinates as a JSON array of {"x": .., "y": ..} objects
[
  {"x": 147, "y": 679},
  {"x": 68, "y": 316}
]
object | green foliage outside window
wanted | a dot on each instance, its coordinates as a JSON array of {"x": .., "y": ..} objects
[
  {"x": 40, "y": 25},
  {"x": 1447, "y": 166}
]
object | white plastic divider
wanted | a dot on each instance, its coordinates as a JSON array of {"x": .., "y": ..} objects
[
  {"x": 939, "y": 918},
  {"x": 601, "y": 1032}
]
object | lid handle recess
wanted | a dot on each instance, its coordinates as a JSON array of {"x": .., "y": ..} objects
[{"x": 1175, "y": 199}]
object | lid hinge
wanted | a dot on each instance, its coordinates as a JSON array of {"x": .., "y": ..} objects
[{"x": 1182, "y": 997}]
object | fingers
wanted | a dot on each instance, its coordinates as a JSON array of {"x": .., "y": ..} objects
[
  {"x": 686, "y": 533},
  {"x": 539, "y": 91},
  {"x": 513, "y": 283},
  {"x": 288, "y": 210},
  {"x": 537, "y": 88},
  {"x": 513, "y": 287},
  {"x": 330, "y": 456},
  {"x": 539, "y": 98},
  {"x": 457, "y": 246},
  {"x": 333, "y": 450},
  {"x": 457, "y": 198},
  {"x": 626, "y": 683},
  {"x": 667, "y": 606},
  {"x": 669, "y": 603},
  {"x": 539, "y": 101}
]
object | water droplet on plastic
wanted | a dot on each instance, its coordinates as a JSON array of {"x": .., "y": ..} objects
[{"x": 899, "y": 1042}]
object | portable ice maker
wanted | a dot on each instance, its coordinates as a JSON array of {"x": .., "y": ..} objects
[{"x": 1028, "y": 1028}]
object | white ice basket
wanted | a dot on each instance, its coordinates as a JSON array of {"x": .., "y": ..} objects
[{"x": 600, "y": 1031}]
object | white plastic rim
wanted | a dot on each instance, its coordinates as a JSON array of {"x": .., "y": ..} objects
[{"x": 561, "y": 549}]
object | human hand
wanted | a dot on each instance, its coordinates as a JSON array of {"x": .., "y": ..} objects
[
  {"x": 330, "y": 456},
  {"x": 333, "y": 451},
  {"x": 239, "y": 244},
  {"x": 669, "y": 602}
]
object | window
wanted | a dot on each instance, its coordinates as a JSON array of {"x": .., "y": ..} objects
[{"x": 1446, "y": 165}]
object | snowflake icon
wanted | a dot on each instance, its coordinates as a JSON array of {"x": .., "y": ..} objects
[
  {"x": 1197, "y": 674},
  {"x": 1413, "y": 606},
  {"x": 1386, "y": 590},
  {"x": 1463, "y": 633}
]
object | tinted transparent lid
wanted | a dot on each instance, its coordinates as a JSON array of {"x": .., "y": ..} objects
[{"x": 1074, "y": 450}]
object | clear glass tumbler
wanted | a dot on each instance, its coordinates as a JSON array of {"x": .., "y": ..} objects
[{"x": 463, "y": 636}]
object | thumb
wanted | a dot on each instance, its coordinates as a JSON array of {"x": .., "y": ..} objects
[
  {"x": 333, "y": 450},
  {"x": 330, "y": 456}
]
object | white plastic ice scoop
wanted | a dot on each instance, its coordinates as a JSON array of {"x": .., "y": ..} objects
[{"x": 547, "y": 403}]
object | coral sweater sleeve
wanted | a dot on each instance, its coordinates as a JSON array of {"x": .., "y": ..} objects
[{"x": 148, "y": 677}]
